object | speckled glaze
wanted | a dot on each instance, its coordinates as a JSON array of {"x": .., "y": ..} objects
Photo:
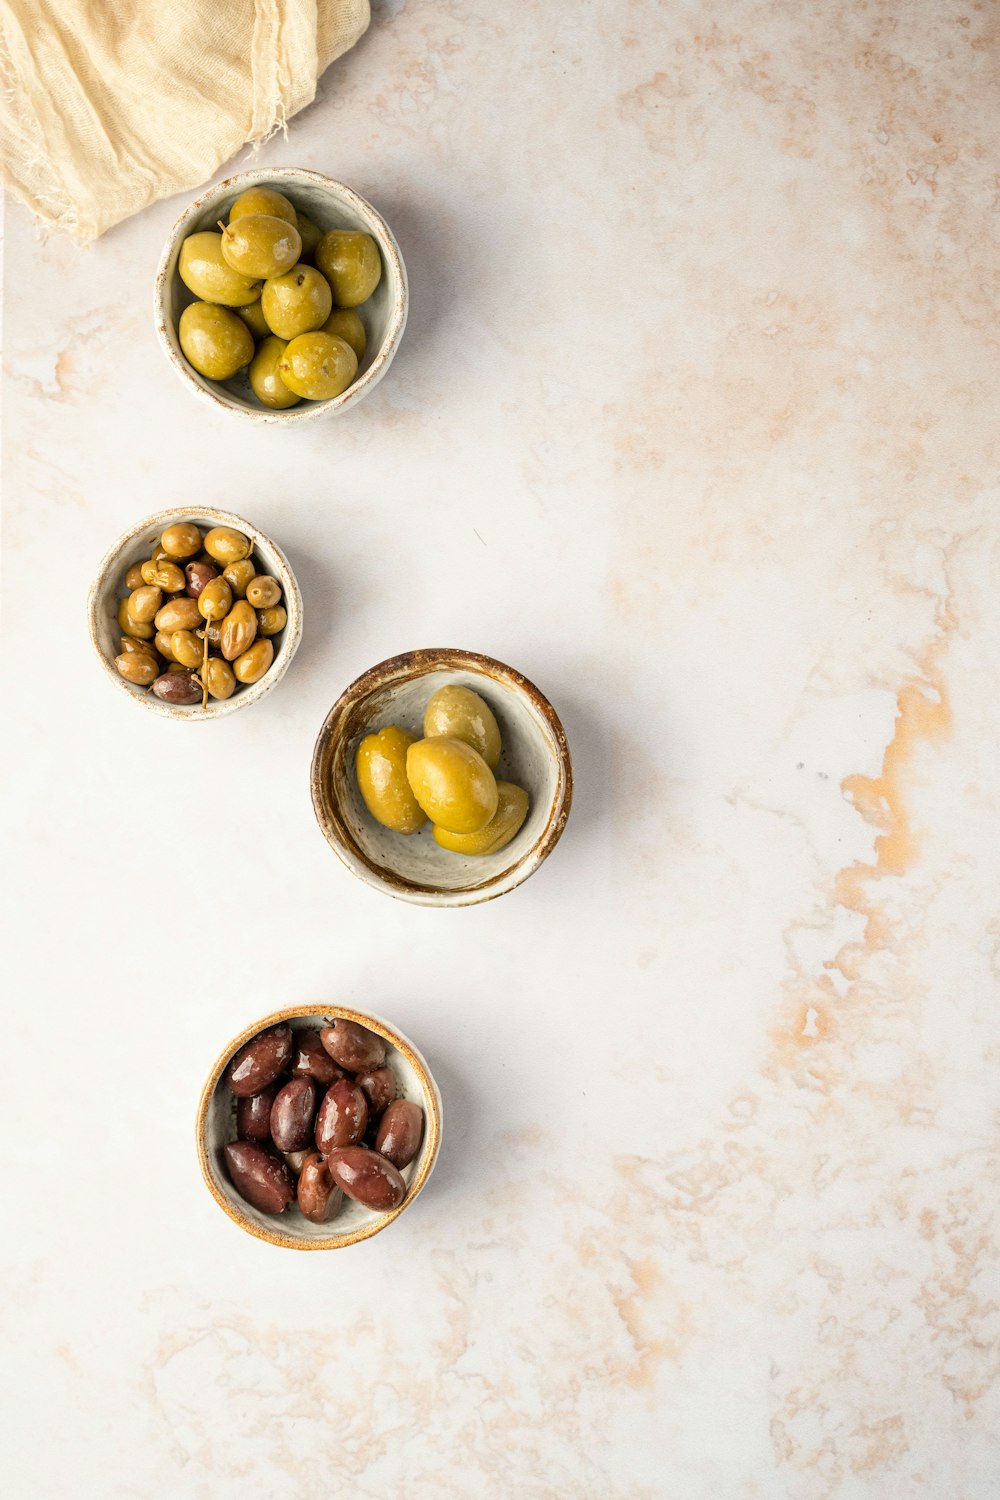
[
  {"x": 331, "y": 205},
  {"x": 216, "y": 1125},
  {"x": 135, "y": 546},
  {"x": 413, "y": 867}
]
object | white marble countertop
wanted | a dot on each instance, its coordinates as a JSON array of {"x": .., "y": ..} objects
[{"x": 695, "y": 424}]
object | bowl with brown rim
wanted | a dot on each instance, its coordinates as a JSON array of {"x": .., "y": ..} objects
[
  {"x": 215, "y": 1127},
  {"x": 413, "y": 867}
]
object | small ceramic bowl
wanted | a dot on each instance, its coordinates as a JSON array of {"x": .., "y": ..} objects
[
  {"x": 108, "y": 588},
  {"x": 413, "y": 867},
  {"x": 216, "y": 1126},
  {"x": 330, "y": 205}
]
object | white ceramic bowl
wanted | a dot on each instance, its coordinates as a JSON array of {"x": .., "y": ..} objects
[
  {"x": 413, "y": 867},
  {"x": 216, "y": 1126},
  {"x": 330, "y": 205},
  {"x": 108, "y": 589}
]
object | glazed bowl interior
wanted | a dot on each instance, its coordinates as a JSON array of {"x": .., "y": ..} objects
[
  {"x": 413, "y": 867},
  {"x": 331, "y": 205},
  {"x": 135, "y": 546},
  {"x": 216, "y": 1126}
]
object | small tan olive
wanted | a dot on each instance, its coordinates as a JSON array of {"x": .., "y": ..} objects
[
  {"x": 238, "y": 630},
  {"x": 226, "y": 545},
  {"x": 130, "y": 643},
  {"x": 252, "y": 665},
  {"x": 238, "y": 576},
  {"x": 139, "y": 667},
  {"x": 162, "y": 644},
  {"x": 219, "y": 678},
  {"x": 181, "y": 613},
  {"x": 186, "y": 648},
  {"x": 143, "y": 603},
  {"x": 216, "y": 599},
  {"x": 182, "y": 539},
  {"x": 134, "y": 578},
  {"x": 270, "y": 621},
  {"x": 262, "y": 592},
  {"x": 132, "y": 627},
  {"x": 163, "y": 575}
]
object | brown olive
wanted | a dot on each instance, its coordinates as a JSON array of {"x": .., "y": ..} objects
[
  {"x": 317, "y": 1193},
  {"x": 226, "y": 545},
  {"x": 136, "y": 628},
  {"x": 399, "y": 1134},
  {"x": 238, "y": 630},
  {"x": 253, "y": 1116},
  {"x": 257, "y": 1064},
  {"x": 134, "y": 578},
  {"x": 180, "y": 613},
  {"x": 164, "y": 575},
  {"x": 176, "y": 686},
  {"x": 251, "y": 666},
  {"x": 186, "y": 648},
  {"x": 197, "y": 575},
  {"x": 263, "y": 1179},
  {"x": 310, "y": 1059},
  {"x": 182, "y": 539},
  {"x": 270, "y": 621},
  {"x": 292, "y": 1115},
  {"x": 162, "y": 644},
  {"x": 262, "y": 592},
  {"x": 238, "y": 576},
  {"x": 215, "y": 599},
  {"x": 213, "y": 630},
  {"x": 379, "y": 1088},
  {"x": 367, "y": 1177},
  {"x": 129, "y": 643},
  {"x": 354, "y": 1047},
  {"x": 139, "y": 667},
  {"x": 342, "y": 1117},
  {"x": 219, "y": 678},
  {"x": 143, "y": 603}
]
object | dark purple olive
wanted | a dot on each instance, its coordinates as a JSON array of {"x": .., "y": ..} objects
[
  {"x": 198, "y": 574},
  {"x": 253, "y": 1117},
  {"x": 354, "y": 1047},
  {"x": 310, "y": 1059},
  {"x": 292, "y": 1115},
  {"x": 258, "y": 1064},
  {"x": 318, "y": 1194},
  {"x": 177, "y": 687},
  {"x": 379, "y": 1088},
  {"x": 399, "y": 1134},
  {"x": 342, "y": 1116},
  {"x": 260, "y": 1177},
  {"x": 367, "y": 1177}
]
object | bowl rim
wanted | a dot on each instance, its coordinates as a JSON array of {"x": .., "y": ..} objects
[
  {"x": 310, "y": 410},
  {"x": 334, "y": 828},
  {"x": 292, "y": 633},
  {"x": 428, "y": 1153}
]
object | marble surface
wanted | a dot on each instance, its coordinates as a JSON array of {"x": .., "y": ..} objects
[{"x": 694, "y": 423}]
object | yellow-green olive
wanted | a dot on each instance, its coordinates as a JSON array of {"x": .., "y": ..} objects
[
  {"x": 452, "y": 783},
  {"x": 214, "y": 340},
  {"x": 345, "y": 324},
  {"x": 265, "y": 382},
  {"x": 297, "y": 302},
  {"x": 318, "y": 366},
  {"x": 263, "y": 200},
  {"x": 162, "y": 644},
  {"x": 135, "y": 628},
  {"x": 310, "y": 234},
  {"x": 252, "y": 664},
  {"x": 204, "y": 271},
  {"x": 163, "y": 575},
  {"x": 143, "y": 603},
  {"x": 261, "y": 245},
  {"x": 381, "y": 771},
  {"x": 181, "y": 539},
  {"x": 263, "y": 591},
  {"x": 181, "y": 613},
  {"x": 512, "y": 809},
  {"x": 270, "y": 621},
  {"x": 350, "y": 261},
  {"x": 139, "y": 667},
  {"x": 219, "y": 678},
  {"x": 186, "y": 648},
  {"x": 134, "y": 578},
  {"x": 226, "y": 546},
  {"x": 253, "y": 317},
  {"x": 238, "y": 630},
  {"x": 132, "y": 643},
  {"x": 238, "y": 576},
  {"x": 215, "y": 600},
  {"x": 461, "y": 713},
  {"x": 159, "y": 553}
]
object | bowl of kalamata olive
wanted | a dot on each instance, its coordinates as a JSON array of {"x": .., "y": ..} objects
[{"x": 317, "y": 1127}]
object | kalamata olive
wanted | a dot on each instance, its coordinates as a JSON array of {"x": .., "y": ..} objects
[
  {"x": 177, "y": 687},
  {"x": 379, "y": 1089},
  {"x": 311, "y": 1060},
  {"x": 342, "y": 1117},
  {"x": 292, "y": 1115},
  {"x": 253, "y": 1116},
  {"x": 399, "y": 1134},
  {"x": 258, "y": 1063},
  {"x": 262, "y": 1178},
  {"x": 198, "y": 574},
  {"x": 318, "y": 1195},
  {"x": 367, "y": 1177},
  {"x": 354, "y": 1047}
]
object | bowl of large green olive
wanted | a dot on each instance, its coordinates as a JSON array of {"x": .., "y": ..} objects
[
  {"x": 195, "y": 613},
  {"x": 317, "y": 1126},
  {"x": 280, "y": 296},
  {"x": 442, "y": 777}
]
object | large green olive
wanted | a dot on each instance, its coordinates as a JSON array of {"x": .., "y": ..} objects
[
  {"x": 297, "y": 302},
  {"x": 238, "y": 630},
  {"x": 265, "y": 382},
  {"x": 181, "y": 613},
  {"x": 204, "y": 271},
  {"x": 225, "y": 545},
  {"x": 214, "y": 340},
  {"x": 215, "y": 600},
  {"x": 345, "y": 323},
  {"x": 143, "y": 603},
  {"x": 512, "y": 809},
  {"x": 139, "y": 667},
  {"x": 263, "y": 200},
  {"x": 219, "y": 678},
  {"x": 350, "y": 261},
  {"x": 186, "y": 648},
  {"x": 180, "y": 539},
  {"x": 261, "y": 245},
  {"x": 164, "y": 575},
  {"x": 253, "y": 317},
  {"x": 452, "y": 783},
  {"x": 461, "y": 713},
  {"x": 380, "y": 767},
  {"x": 318, "y": 366},
  {"x": 238, "y": 576},
  {"x": 135, "y": 628},
  {"x": 252, "y": 664}
]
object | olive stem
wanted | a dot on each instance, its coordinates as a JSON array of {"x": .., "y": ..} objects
[{"x": 204, "y": 671}]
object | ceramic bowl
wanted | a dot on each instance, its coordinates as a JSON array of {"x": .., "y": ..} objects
[
  {"x": 216, "y": 1126},
  {"x": 412, "y": 867},
  {"x": 108, "y": 588},
  {"x": 330, "y": 205}
]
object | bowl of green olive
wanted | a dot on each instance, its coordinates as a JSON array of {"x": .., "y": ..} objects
[
  {"x": 280, "y": 296},
  {"x": 195, "y": 613},
  {"x": 442, "y": 777}
]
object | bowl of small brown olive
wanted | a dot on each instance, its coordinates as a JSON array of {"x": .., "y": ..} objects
[
  {"x": 317, "y": 1126},
  {"x": 442, "y": 777},
  {"x": 195, "y": 613},
  {"x": 280, "y": 296}
]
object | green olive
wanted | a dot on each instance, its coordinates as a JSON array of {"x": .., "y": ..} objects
[
  {"x": 318, "y": 366},
  {"x": 225, "y": 545},
  {"x": 132, "y": 643},
  {"x": 139, "y": 667},
  {"x": 164, "y": 575},
  {"x": 143, "y": 603},
  {"x": 186, "y": 648},
  {"x": 214, "y": 340},
  {"x": 252, "y": 664},
  {"x": 270, "y": 621},
  {"x": 213, "y": 630},
  {"x": 512, "y": 809},
  {"x": 238, "y": 576},
  {"x": 134, "y": 578},
  {"x": 180, "y": 613},
  {"x": 135, "y": 628},
  {"x": 310, "y": 234},
  {"x": 345, "y": 324},
  {"x": 204, "y": 272},
  {"x": 162, "y": 644},
  {"x": 261, "y": 245},
  {"x": 181, "y": 539},
  {"x": 238, "y": 630},
  {"x": 297, "y": 302},
  {"x": 215, "y": 600},
  {"x": 462, "y": 714},
  {"x": 265, "y": 382},
  {"x": 263, "y": 200},
  {"x": 253, "y": 317},
  {"x": 219, "y": 678},
  {"x": 262, "y": 592},
  {"x": 452, "y": 783},
  {"x": 380, "y": 767},
  {"x": 350, "y": 261}
]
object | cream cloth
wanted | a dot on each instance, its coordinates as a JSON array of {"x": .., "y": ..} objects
[{"x": 108, "y": 105}]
